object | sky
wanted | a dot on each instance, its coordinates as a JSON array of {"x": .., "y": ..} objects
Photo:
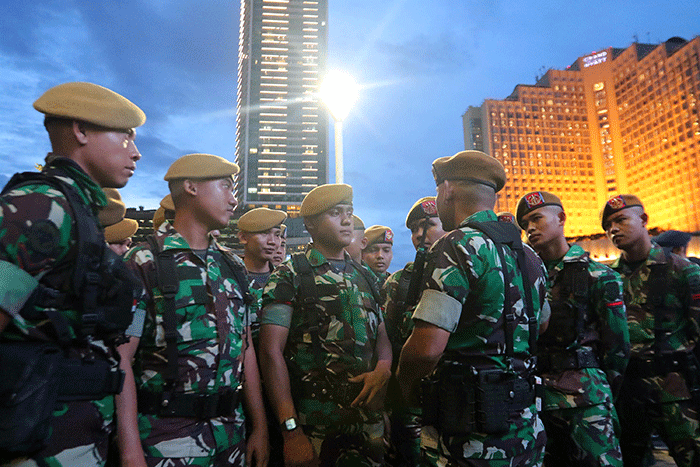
[{"x": 419, "y": 64}]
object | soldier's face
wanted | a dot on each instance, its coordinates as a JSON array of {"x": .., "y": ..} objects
[
  {"x": 262, "y": 245},
  {"x": 543, "y": 226},
  {"x": 333, "y": 228},
  {"x": 627, "y": 227},
  {"x": 112, "y": 156},
  {"x": 378, "y": 256},
  {"x": 216, "y": 202},
  {"x": 355, "y": 247},
  {"x": 280, "y": 253},
  {"x": 433, "y": 234}
]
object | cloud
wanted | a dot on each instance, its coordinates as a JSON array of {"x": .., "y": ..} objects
[{"x": 426, "y": 55}]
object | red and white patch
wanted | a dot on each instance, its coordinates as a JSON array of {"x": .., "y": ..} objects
[
  {"x": 429, "y": 207},
  {"x": 534, "y": 199},
  {"x": 388, "y": 236},
  {"x": 617, "y": 202},
  {"x": 506, "y": 218}
]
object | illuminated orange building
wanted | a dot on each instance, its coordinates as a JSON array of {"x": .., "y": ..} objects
[{"x": 615, "y": 121}]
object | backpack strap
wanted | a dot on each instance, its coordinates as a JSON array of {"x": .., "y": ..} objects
[
  {"x": 576, "y": 278},
  {"x": 308, "y": 296},
  {"x": 658, "y": 285},
  {"x": 505, "y": 233},
  {"x": 371, "y": 281}
]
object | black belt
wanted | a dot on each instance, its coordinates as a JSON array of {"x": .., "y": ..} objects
[
  {"x": 200, "y": 406},
  {"x": 571, "y": 360},
  {"x": 658, "y": 365},
  {"x": 341, "y": 393}
]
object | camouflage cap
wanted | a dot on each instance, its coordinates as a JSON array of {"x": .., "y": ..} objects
[
  {"x": 421, "y": 209},
  {"x": 673, "y": 239},
  {"x": 260, "y": 220},
  {"x": 535, "y": 200},
  {"x": 378, "y": 234},
  {"x": 357, "y": 223},
  {"x": 473, "y": 166},
  {"x": 616, "y": 204},
  {"x": 324, "y": 197},
  {"x": 90, "y": 103},
  {"x": 200, "y": 167}
]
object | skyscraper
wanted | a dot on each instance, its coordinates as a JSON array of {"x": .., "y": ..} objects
[
  {"x": 615, "y": 121},
  {"x": 281, "y": 127}
]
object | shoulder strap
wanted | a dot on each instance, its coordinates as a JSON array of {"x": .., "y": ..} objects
[
  {"x": 166, "y": 280},
  {"x": 658, "y": 285},
  {"x": 371, "y": 281},
  {"x": 576, "y": 278},
  {"x": 308, "y": 296},
  {"x": 505, "y": 233}
]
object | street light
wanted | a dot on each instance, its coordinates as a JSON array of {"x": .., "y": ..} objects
[{"x": 339, "y": 92}]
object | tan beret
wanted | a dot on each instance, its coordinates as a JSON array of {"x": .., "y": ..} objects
[
  {"x": 115, "y": 209},
  {"x": 120, "y": 231},
  {"x": 421, "y": 209},
  {"x": 535, "y": 200},
  {"x": 324, "y": 197},
  {"x": 200, "y": 166},
  {"x": 283, "y": 233},
  {"x": 473, "y": 166},
  {"x": 618, "y": 203},
  {"x": 357, "y": 223},
  {"x": 261, "y": 220},
  {"x": 167, "y": 202},
  {"x": 378, "y": 234},
  {"x": 158, "y": 218},
  {"x": 90, "y": 103}
]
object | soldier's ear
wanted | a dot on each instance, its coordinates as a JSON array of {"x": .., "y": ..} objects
[
  {"x": 242, "y": 238},
  {"x": 562, "y": 217},
  {"x": 645, "y": 218},
  {"x": 190, "y": 187},
  {"x": 80, "y": 132},
  {"x": 363, "y": 243}
]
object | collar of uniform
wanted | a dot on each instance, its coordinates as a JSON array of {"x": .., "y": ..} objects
[
  {"x": 316, "y": 258},
  {"x": 169, "y": 239},
  {"x": 481, "y": 216},
  {"x": 91, "y": 191},
  {"x": 656, "y": 255},
  {"x": 575, "y": 254}
]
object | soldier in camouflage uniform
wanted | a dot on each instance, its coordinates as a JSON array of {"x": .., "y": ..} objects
[
  {"x": 425, "y": 226},
  {"x": 662, "y": 294},
  {"x": 324, "y": 352},
  {"x": 281, "y": 252},
  {"x": 358, "y": 239},
  {"x": 92, "y": 136},
  {"x": 189, "y": 402},
  {"x": 460, "y": 327},
  {"x": 583, "y": 354},
  {"x": 377, "y": 250}
]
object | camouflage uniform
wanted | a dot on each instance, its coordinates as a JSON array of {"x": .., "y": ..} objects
[
  {"x": 255, "y": 287},
  {"x": 579, "y": 415},
  {"x": 465, "y": 265},
  {"x": 37, "y": 232},
  {"x": 662, "y": 402},
  {"x": 348, "y": 319},
  {"x": 211, "y": 325},
  {"x": 405, "y": 421}
]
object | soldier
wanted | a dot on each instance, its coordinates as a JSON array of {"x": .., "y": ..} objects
[
  {"x": 662, "y": 295},
  {"x": 166, "y": 211},
  {"x": 582, "y": 356},
  {"x": 377, "y": 250},
  {"x": 281, "y": 252},
  {"x": 358, "y": 239},
  {"x": 196, "y": 361},
  {"x": 505, "y": 216},
  {"x": 324, "y": 352},
  {"x": 65, "y": 297},
  {"x": 675, "y": 241},
  {"x": 401, "y": 290},
  {"x": 259, "y": 231},
  {"x": 477, "y": 334},
  {"x": 118, "y": 230}
]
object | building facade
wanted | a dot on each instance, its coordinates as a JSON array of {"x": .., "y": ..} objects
[
  {"x": 615, "y": 121},
  {"x": 281, "y": 127}
]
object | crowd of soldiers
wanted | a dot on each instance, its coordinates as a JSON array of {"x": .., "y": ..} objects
[{"x": 487, "y": 350}]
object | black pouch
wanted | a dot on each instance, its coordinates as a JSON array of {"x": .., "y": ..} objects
[
  {"x": 28, "y": 395},
  {"x": 429, "y": 402},
  {"x": 457, "y": 405}
]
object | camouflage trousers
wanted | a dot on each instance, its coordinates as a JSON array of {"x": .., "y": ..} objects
[
  {"x": 675, "y": 422},
  {"x": 79, "y": 436},
  {"x": 404, "y": 440},
  {"x": 582, "y": 436},
  {"x": 348, "y": 445},
  {"x": 174, "y": 441}
]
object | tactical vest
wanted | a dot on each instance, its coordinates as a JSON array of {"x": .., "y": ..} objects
[{"x": 94, "y": 281}]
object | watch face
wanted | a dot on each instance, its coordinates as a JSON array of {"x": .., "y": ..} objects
[{"x": 290, "y": 424}]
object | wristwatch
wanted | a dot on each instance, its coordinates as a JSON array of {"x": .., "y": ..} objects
[{"x": 290, "y": 424}]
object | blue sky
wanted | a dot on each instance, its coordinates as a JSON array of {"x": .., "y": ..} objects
[{"x": 420, "y": 65}]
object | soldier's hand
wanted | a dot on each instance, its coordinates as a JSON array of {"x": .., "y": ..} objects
[
  {"x": 298, "y": 451},
  {"x": 258, "y": 448},
  {"x": 374, "y": 389}
]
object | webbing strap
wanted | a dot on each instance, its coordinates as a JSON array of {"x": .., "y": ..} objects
[
  {"x": 308, "y": 296},
  {"x": 658, "y": 285},
  {"x": 576, "y": 276}
]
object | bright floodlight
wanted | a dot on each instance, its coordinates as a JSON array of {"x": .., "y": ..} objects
[{"x": 339, "y": 92}]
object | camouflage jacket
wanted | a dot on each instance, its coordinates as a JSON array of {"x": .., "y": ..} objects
[
  {"x": 211, "y": 318},
  {"x": 604, "y": 332},
  {"x": 465, "y": 265},
  {"x": 37, "y": 234},
  {"x": 398, "y": 318},
  {"x": 255, "y": 288},
  {"x": 348, "y": 321},
  {"x": 681, "y": 299}
]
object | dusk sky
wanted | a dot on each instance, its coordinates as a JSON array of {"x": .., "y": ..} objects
[{"x": 420, "y": 64}]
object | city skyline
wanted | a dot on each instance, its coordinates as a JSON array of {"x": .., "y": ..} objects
[{"x": 419, "y": 66}]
